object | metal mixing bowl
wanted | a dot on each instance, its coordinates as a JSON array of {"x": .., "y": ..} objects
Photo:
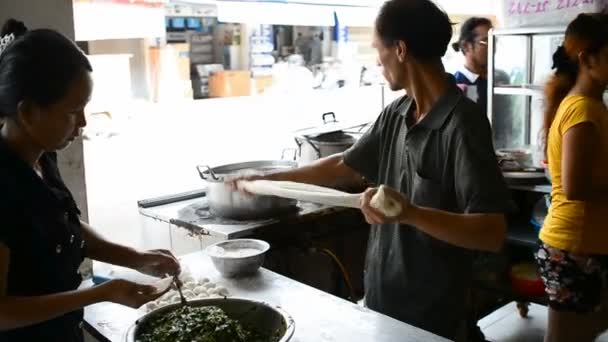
[
  {"x": 267, "y": 319},
  {"x": 230, "y": 265}
]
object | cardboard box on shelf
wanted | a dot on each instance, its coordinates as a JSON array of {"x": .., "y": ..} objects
[
  {"x": 230, "y": 83},
  {"x": 262, "y": 83}
]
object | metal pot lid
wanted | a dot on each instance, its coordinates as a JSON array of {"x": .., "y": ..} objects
[
  {"x": 210, "y": 174},
  {"x": 338, "y": 137},
  {"x": 330, "y": 125}
]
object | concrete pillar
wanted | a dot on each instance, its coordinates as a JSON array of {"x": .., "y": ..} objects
[{"x": 57, "y": 15}]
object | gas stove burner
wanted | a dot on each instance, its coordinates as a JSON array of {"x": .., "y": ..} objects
[{"x": 200, "y": 214}]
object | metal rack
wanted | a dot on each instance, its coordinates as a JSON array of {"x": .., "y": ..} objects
[{"x": 527, "y": 88}]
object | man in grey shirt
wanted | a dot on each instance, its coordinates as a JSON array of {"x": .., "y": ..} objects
[{"x": 434, "y": 147}]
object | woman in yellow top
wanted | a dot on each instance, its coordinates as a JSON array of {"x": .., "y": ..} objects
[{"x": 573, "y": 256}]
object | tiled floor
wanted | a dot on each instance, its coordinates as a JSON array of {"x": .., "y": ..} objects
[{"x": 505, "y": 325}]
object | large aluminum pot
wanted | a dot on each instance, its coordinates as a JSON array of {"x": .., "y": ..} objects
[
  {"x": 324, "y": 145},
  {"x": 322, "y": 141},
  {"x": 263, "y": 317},
  {"x": 225, "y": 202}
]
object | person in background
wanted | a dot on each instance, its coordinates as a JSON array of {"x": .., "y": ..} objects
[
  {"x": 45, "y": 84},
  {"x": 573, "y": 255},
  {"x": 316, "y": 50},
  {"x": 472, "y": 78},
  {"x": 433, "y": 148},
  {"x": 473, "y": 75},
  {"x": 302, "y": 47}
]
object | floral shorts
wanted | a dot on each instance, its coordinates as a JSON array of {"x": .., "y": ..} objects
[{"x": 573, "y": 282}]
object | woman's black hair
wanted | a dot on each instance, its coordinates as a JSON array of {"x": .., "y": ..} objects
[
  {"x": 424, "y": 27},
  {"x": 38, "y": 66},
  {"x": 587, "y": 33},
  {"x": 13, "y": 26},
  {"x": 467, "y": 31}
]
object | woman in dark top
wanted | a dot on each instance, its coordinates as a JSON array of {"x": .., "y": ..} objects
[{"x": 45, "y": 84}]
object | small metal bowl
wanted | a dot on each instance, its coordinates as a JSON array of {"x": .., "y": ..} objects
[{"x": 237, "y": 258}]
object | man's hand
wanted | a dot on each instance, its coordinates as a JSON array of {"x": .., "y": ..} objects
[
  {"x": 374, "y": 216},
  {"x": 233, "y": 182}
]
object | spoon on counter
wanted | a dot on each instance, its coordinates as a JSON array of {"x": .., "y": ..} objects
[{"x": 178, "y": 285}]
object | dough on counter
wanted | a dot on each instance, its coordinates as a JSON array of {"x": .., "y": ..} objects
[
  {"x": 187, "y": 279},
  {"x": 167, "y": 296},
  {"x": 200, "y": 289},
  {"x": 189, "y": 286},
  {"x": 222, "y": 291},
  {"x": 193, "y": 290},
  {"x": 385, "y": 204}
]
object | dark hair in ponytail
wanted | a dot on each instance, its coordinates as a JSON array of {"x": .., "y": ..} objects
[
  {"x": 587, "y": 33},
  {"x": 38, "y": 66}
]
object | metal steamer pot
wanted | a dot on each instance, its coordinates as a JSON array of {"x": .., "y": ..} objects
[
  {"x": 225, "y": 202},
  {"x": 311, "y": 149},
  {"x": 265, "y": 318},
  {"x": 316, "y": 146}
]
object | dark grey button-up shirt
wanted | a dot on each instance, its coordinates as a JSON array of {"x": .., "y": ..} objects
[{"x": 446, "y": 162}]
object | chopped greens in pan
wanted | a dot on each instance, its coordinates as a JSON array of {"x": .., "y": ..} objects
[{"x": 198, "y": 324}]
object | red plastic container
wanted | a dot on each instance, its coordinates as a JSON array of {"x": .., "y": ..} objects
[{"x": 526, "y": 281}]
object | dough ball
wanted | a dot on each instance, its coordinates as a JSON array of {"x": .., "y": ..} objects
[
  {"x": 388, "y": 206},
  {"x": 166, "y": 296},
  {"x": 203, "y": 281},
  {"x": 199, "y": 289},
  {"x": 188, "y": 294},
  {"x": 187, "y": 279},
  {"x": 222, "y": 291}
]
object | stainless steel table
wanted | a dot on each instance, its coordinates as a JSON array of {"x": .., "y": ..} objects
[{"x": 318, "y": 315}]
